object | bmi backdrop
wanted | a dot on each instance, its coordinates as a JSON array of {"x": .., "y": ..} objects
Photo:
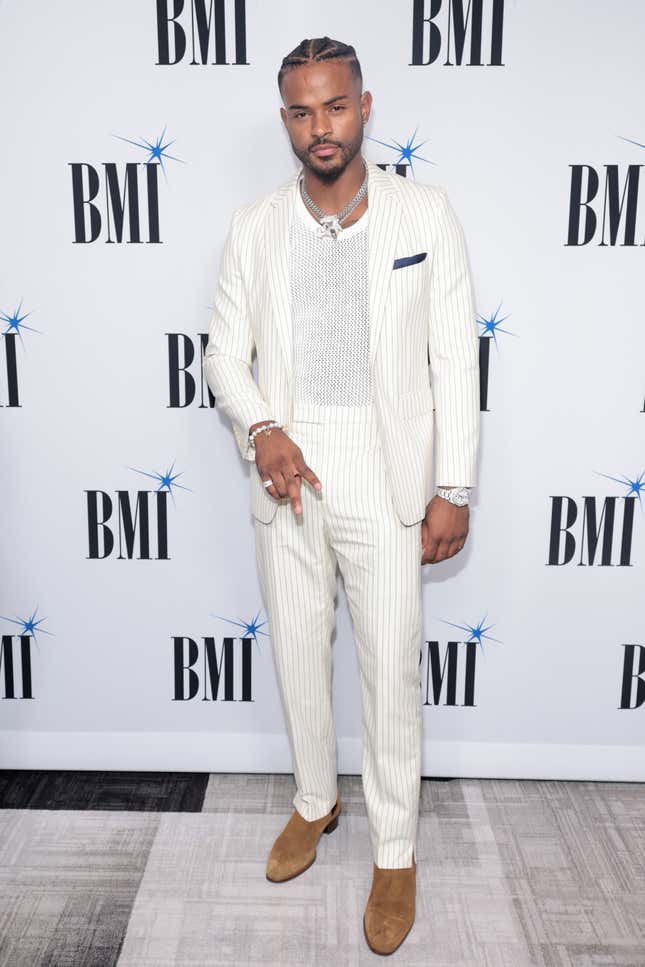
[{"x": 134, "y": 635}]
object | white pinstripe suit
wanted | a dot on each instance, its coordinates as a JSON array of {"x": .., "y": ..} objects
[
  {"x": 425, "y": 306},
  {"x": 378, "y": 471}
]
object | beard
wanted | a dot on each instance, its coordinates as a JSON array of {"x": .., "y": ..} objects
[{"x": 329, "y": 171}]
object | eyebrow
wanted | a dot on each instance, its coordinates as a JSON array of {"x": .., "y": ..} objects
[{"x": 339, "y": 97}]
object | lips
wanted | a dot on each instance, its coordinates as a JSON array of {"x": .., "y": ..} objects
[{"x": 324, "y": 150}]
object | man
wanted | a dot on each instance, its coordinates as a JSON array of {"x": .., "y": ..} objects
[{"x": 347, "y": 280}]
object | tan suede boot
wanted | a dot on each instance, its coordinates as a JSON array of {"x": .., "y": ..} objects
[
  {"x": 295, "y": 848},
  {"x": 391, "y": 908}
]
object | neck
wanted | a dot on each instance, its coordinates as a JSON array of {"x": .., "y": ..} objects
[{"x": 332, "y": 197}]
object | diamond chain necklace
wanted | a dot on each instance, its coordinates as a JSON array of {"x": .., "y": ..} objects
[{"x": 331, "y": 223}]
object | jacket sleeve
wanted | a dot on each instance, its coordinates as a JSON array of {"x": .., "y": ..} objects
[
  {"x": 228, "y": 354},
  {"x": 453, "y": 350}
]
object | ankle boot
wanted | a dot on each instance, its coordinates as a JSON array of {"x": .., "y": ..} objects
[
  {"x": 295, "y": 848},
  {"x": 390, "y": 909}
]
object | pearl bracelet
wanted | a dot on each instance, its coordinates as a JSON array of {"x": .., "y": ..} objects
[{"x": 265, "y": 426}]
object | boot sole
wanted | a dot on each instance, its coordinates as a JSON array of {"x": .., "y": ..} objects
[
  {"x": 385, "y": 953},
  {"x": 329, "y": 828}
]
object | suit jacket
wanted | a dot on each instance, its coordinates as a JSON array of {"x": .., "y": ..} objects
[{"x": 421, "y": 306}]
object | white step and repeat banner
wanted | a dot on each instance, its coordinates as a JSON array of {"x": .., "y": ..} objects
[{"x": 134, "y": 635}]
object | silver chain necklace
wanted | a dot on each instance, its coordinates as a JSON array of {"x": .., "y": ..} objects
[{"x": 331, "y": 223}]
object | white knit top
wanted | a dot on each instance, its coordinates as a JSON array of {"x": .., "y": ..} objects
[{"x": 330, "y": 310}]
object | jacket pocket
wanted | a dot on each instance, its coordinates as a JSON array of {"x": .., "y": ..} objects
[
  {"x": 415, "y": 403},
  {"x": 400, "y": 263}
]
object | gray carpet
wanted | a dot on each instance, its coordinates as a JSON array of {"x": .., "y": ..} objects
[{"x": 509, "y": 874}]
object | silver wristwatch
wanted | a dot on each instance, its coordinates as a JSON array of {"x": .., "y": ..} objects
[{"x": 456, "y": 495}]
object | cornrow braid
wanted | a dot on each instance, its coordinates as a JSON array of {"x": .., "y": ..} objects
[{"x": 315, "y": 49}]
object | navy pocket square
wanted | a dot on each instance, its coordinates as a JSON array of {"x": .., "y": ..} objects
[{"x": 409, "y": 260}]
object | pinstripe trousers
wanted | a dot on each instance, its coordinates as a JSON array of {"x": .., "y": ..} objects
[{"x": 350, "y": 522}]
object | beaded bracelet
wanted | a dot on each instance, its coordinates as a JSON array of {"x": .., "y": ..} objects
[{"x": 265, "y": 426}]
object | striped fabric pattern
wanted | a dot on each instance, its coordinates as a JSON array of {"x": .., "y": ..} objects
[
  {"x": 424, "y": 310},
  {"x": 350, "y": 523}
]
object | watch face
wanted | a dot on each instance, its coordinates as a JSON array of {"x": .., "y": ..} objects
[{"x": 458, "y": 497}]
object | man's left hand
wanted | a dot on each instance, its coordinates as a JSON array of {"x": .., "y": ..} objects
[{"x": 443, "y": 530}]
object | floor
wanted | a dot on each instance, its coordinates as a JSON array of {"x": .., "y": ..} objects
[{"x": 167, "y": 870}]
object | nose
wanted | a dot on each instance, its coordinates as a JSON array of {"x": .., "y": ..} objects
[{"x": 320, "y": 126}]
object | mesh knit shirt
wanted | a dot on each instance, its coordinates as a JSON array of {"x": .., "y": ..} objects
[{"x": 330, "y": 310}]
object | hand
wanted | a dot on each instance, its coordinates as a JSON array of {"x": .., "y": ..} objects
[
  {"x": 279, "y": 459},
  {"x": 443, "y": 530}
]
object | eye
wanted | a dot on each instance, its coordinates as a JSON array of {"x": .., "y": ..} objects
[{"x": 338, "y": 107}]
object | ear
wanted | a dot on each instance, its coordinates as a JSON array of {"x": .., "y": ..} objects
[{"x": 366, "y": 106}]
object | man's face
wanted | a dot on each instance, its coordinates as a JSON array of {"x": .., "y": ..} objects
[{"x": 323, "y": 113}]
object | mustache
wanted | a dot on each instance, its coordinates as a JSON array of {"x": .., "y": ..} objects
[{"x": 319, "y": 144}]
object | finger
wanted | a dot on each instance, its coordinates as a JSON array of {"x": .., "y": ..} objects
[
  {"x": 428, "y": 557},
  {"x": 431, "y": 550},
  {"x": 456, "y": 545},
  {"x": 450, "y": 549},
  {"x": 443, "y": 551},
  {"x": 277, "y": 489},
  {"x": 272, "y": 490},
  {"x": 308, "y": 475},
  {"x": 292, "y": 482}
]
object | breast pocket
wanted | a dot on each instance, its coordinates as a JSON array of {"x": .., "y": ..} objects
[
  {"x": 404, "y": 260},
  {"x": 407, "y": 283}
]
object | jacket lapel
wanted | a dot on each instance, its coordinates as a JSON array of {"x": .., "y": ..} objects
[
  {"x": 276, "y": 242},
  {"x": 383, "y": 228}
]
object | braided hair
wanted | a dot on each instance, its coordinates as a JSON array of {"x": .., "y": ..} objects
[{"x": 315, "y": 49}]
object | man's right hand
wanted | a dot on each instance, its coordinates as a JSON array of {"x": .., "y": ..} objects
[{"x": 279, "y": 459}]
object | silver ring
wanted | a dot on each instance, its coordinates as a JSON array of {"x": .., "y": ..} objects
[{"x": 267, "y": 483}]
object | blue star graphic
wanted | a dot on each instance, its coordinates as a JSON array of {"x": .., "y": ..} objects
[
  {"x": 157, "y": 151},
  {"x": 636, "y": 487},
  {"x": 165, "y": 479},
  {"x": 475, "y": 632},
  {"x": 492, "y": 326},
  {"x": 406, "y": 151},
  {"x": 28, "y": 626},
  {"x": 637, "y": 143},
  {"x": 250, "y": 628},
  {"x": 15, "y": 323}
]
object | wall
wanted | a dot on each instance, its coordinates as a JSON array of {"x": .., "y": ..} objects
[{"x": 106, "y": 648}]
